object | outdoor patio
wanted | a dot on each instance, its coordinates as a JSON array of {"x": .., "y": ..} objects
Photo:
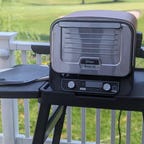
[{"x": 10, "y": 114}]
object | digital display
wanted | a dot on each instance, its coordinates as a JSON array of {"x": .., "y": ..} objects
[{"x": 94, "y": 84}]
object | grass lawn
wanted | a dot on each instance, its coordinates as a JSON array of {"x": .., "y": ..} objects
[{"x": 32, "y": 20}]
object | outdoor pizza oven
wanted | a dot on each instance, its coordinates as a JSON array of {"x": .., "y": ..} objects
[{"x": 93, "y": 52}]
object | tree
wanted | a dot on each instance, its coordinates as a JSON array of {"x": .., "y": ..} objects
[{"x": 83, "y": 1}]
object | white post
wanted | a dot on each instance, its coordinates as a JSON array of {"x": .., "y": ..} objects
[{"x": 9, "y": 106}]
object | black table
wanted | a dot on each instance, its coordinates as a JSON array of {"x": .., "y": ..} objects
[
  {"x": 34, "y": 85},
  {"x": 25, "y": 81},
  {"x": 134, "y": 101}
]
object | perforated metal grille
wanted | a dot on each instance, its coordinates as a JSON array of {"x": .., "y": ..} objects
[{"x": 79, "y": 42}]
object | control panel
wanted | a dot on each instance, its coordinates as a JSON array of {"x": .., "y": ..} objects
[{"x": 90, "y": 86}]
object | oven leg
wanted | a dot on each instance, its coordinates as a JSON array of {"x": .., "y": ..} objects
[
  {"x": 43, "y": 115},
  {"x": 58, "y": 128},
  {"x": 46, "y": 122}
]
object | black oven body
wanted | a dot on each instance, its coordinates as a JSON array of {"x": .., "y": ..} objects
[
  {"x": 93, "y": 53},
  {"x": 92, "y": 85}
]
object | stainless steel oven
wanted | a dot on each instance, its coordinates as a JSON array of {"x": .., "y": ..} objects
[{"x": 93, "y": 52}]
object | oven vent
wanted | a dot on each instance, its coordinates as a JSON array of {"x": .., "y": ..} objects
[{"x": 103, "y": 43}]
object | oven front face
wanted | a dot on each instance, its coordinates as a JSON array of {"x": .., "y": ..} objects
[{"x": 101, "y": 48}]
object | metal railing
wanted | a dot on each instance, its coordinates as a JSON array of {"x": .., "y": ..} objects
[{"x": 10, "y": 112}]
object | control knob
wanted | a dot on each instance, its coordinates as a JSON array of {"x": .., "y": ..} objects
[
  {"x": 106, "y": 87},
  {"x": 71, "y": 84}
]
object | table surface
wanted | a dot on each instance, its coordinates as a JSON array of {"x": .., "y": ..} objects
[
  {"x": 22, "y": 81},
  {"x": 134, "y": 101}
]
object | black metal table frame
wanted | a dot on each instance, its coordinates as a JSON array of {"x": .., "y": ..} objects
[
  {"x": 47, "y": 97},
  {"x": 45, "y": 123}
]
